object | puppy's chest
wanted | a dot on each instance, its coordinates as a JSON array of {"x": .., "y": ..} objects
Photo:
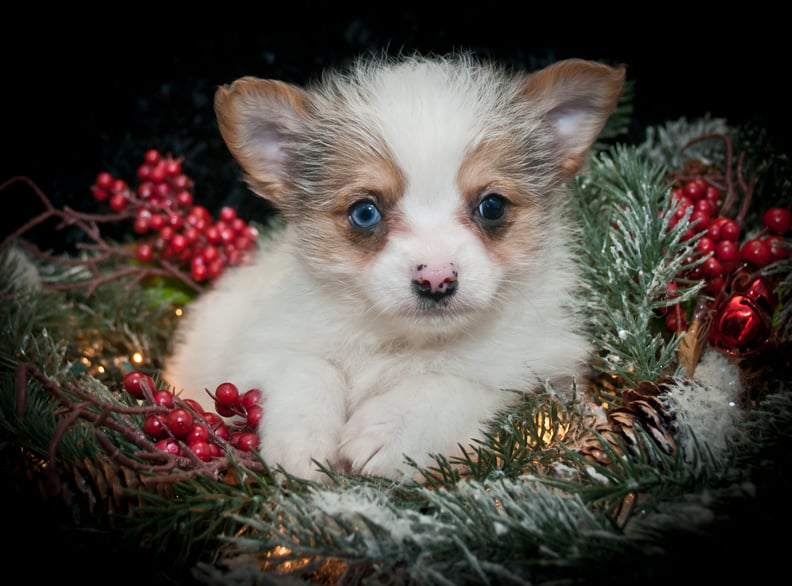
[{"x": 374, "y": 368}]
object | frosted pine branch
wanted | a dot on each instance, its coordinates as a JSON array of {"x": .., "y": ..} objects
[{"x": 629, "y": 255}]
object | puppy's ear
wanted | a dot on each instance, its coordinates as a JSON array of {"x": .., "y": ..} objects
[
  {"x": 576, "y": 97},
  {"x": 260, "y": 121}
]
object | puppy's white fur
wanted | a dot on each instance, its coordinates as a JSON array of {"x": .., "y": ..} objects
[{"x": 359, "y": 366}]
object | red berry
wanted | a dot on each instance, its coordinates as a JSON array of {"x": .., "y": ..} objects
[
  {"x": 254, "y": 415},
  {"x": 119, "y": 186},
  {"x": 227, "y": 395},
  {"x": 178, "y": 243},
  {"x": 714, "y": 285},
  {"x": 247, "y": 441},
  {"x": 169, "y": 445},
  {"x": 180, "y": 422},
  {"x": 157, "y": 221},
  {"x": 99, "y": 194},
  {"x": 104, "y": 181},
  {"x": 226, "y": 410},
  {"x": 713, "y": 196},
  {"x": 251, "y": 398},
  {"x": 174, "y": 220},
  {"x": 184, "y": 198},
  {"x": 144, "y": 252},
  {"x": 675, "y": 319},
  {"x": 213, "y": 234},
  {"x": 144, "y": 172},
  {"x": 777, "y": 220},
  {"x": 714, "y": 229},
  {"x": 164, "y": 398},
  {"x": 727, "y": 251},
  {"x": 705, "y": 245},
  {"x": 163, "y": 191},
  {"x": 238, "y": 225},
  {"x": 705, "y": 206},
  {"x": 166, "y": 232},
  {"x": 694, "y": 189},
  {"x": 202, "y": 450},
  {"x": 199, "y": 271},
  {"x": 197, "y": 433},
  {"x": 154, "y": 425},
  {"x": 227, "y": 214},
  {"x": 779, "y": 248},
  {"x": 217, "y": 425},
  {"x": 142, "y": 224},
  {"x": 730, "y": 230},
  {"x": 172, "y": 167},
  {"x": 118, "y": 202},
  {"x": 134, "y": 383},
  {"x": 152, "y": 156},
  {"x": 712, "y": 268},
  {"x": 216, "y": 268},
  {"x": 180, "y": 183},
  {"x": 194, "y": 405},
  {"x": 701, "y": 220},
  {"x": 158, "y": 173},
  {"x": 757, "y": 252}
]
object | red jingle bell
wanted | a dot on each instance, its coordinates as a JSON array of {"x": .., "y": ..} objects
[{"x": 742, "y": 323}]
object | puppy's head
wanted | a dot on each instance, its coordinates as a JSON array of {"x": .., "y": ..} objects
[{"x": 423, "y": 189}]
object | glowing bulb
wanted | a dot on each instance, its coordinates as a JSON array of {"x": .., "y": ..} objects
[{"x": 137, "y": 357}]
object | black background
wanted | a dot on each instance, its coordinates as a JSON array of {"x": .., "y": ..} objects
[{"x": 93, "y": 94}]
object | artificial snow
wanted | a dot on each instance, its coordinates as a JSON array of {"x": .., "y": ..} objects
[
  {"x": 705, "y": 406},
  {"x": 358, "y": 504}
]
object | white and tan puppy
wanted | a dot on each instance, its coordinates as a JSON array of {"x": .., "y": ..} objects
[{"x": 423, "y": 279}]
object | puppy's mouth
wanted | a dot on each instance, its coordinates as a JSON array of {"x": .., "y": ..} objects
[{"x": 440, "y": 306}]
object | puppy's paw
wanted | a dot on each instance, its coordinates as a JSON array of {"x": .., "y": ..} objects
[
  {"x": 304, "y": 414},
  {"x": 377, "y": 438},
  {"x": 419, "y": 418},
  {"x": 300, "y": 454}
]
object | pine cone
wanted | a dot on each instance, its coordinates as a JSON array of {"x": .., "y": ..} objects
[{"x": 642, "y": 407}]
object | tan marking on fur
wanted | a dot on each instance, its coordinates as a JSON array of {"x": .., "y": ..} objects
[
  {"x": 249, "y": 106},
  {"x": 374, "y": 178},
  {"x": 483, "y": 172}
]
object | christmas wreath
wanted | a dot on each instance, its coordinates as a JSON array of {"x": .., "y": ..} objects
[{"x": 684, "y": 244}]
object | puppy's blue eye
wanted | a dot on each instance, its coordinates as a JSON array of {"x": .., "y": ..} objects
[
  {"x": 492, "y": 207},
  {"x": 364, "y": 214}
]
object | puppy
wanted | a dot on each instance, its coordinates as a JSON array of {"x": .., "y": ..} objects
[{"x": 422, "y": 281}]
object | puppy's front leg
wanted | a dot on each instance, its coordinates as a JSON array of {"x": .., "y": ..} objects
[
  {"x": 304, "y": 411},
  {"x": 420, "y": 416}
]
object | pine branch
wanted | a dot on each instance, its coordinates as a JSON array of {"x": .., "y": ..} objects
[
  {"x": 629, "y": 254},
  {"x": 663, "y": 144}
]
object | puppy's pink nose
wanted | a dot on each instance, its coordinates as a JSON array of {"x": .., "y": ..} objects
[{"x": 435, "y": 281}]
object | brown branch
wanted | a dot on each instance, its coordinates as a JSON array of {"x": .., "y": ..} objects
[
  {"x": 154, "y": 465},
  {"x": 104, "y": 252},
  {"x": 731, "y": 195}
]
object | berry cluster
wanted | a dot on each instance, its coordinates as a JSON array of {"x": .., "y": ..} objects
[
  {"x": 180, "y": 231},
  {"x": 184, "y": 425},
  {"x": 719, "y": 241}
]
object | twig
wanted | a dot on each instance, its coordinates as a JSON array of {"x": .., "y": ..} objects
[
  {"x": 730, "y": 197},
  {"x": 154, "y": 465},
  {"x": 104, "y": 252}
]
